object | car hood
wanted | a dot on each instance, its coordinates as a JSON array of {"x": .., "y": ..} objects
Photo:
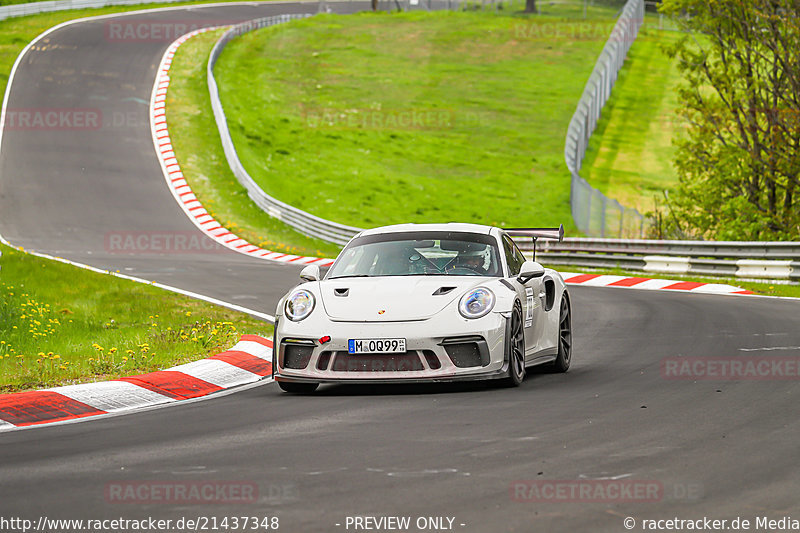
[{"x": 391, "y": 299}]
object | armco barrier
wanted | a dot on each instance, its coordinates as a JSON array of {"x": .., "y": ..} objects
[
  {"x": 745, "y": 259},
  {"x": 593, "y": 212},
  {"x": 304, "y": 222},
  {"x": 597, "y": 212},
  {"x": 35, "y": 8}
]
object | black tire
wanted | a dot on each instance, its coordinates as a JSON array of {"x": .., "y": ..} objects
[
  {"x": 515, "y": 349},
  {"x": 562, "y": 362},
  {"x": 298, "y": 388}
]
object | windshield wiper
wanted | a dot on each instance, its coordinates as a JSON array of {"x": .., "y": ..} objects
[{"x": 352, "y": 276}]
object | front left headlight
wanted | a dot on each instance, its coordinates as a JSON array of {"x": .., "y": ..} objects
[
  {"x": 476, "y": 303},
  {"x": 299, "y": 305}
]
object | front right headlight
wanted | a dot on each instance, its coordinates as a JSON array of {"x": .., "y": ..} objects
[
  {"x": 476, "y": 303},
  {"x": 299, "y": 305}
]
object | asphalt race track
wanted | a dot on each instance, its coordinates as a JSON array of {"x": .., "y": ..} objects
[
  {"x": 70, "y": 191},
  {"x": 717, "y": 449}
]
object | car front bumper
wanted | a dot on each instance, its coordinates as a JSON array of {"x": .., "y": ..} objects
[{"x": 437, "y": 350}]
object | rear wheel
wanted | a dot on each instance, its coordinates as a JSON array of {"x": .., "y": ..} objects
[
  {"x": 515, "y": 349},
  {"x": 298, "y": 388},
  {"x": 562, "y": 362}
]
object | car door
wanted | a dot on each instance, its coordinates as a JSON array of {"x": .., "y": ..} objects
[{"x": 529, "y": 295}]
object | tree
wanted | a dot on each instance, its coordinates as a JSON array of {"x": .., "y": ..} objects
[
  {"x": 739, "y": 161},
  {"x": 530, "y": 6}
]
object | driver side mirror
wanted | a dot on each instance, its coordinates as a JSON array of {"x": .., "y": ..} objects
[
  {"x": 530, "y": 270},
  {"x": 310, "y": 273}
]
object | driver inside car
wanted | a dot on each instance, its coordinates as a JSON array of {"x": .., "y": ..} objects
[{"x": 474, "y": 261}]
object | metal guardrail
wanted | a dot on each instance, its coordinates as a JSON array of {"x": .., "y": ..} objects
[
  {"x": 594, "y": 213},
  {"x": 35, "y": 8},
  {"x": 742, "y": 259},
  {"x": 304, "y": 222}
]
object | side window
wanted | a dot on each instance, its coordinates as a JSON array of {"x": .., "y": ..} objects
[
  {"x": 513, "y": 256},
  {"x": 518, "y": 255}
]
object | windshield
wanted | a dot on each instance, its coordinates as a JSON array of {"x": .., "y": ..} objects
[{"x": 419, "y": 254}]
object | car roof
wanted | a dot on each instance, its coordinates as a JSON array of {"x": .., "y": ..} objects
[{"x": 450, "y": 226}]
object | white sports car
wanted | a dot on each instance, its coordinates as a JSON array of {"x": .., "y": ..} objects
[{"x": 424, "y": 302}]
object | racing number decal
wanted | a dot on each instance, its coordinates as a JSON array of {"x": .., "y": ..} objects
[{"x": 529, "y": 312}]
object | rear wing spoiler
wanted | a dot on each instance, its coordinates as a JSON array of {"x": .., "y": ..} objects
[{"x": 553, "y": 234}]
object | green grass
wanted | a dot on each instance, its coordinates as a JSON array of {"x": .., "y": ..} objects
[
  {"x": 60, "y": 324},
  {"x": 196, "y": 143},
  {"x": 630, "y": 153},
  {"x": 311, "y": 106},
  {"x": 54, "y": 318}
]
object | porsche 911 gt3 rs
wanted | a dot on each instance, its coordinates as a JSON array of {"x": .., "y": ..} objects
[{"x": 424, "y": 302}]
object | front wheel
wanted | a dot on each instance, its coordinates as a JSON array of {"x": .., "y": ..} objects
[
  {"x": 298, "y": 388},
  {"x": 562, "y": 362},
  {"x": 515, "y": 349}
]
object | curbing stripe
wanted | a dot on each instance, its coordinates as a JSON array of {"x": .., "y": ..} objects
[
  {"x": 39, "y": 407},
  {"x": 627, "y": 282},
  {"x": 684, "y": 286},
  {"x": 173, "y": 384},
  {"x": 253, "y": 348},
  {"x": 181, "y": 191},
  {"x": 602, "y": 280},
  {"x": 257, "y": 339},
  {"x": 112, "y": 396},
  {"x": 579, "y": 278},
  {"x": 247, "y": 362},
  {"x": 218, "y": 373}
]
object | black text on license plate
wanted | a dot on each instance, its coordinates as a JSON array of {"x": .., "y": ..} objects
[{"x": 376, "y": 345}]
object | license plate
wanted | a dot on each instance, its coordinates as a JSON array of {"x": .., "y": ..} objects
[{"x": 376, "y": 345}]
